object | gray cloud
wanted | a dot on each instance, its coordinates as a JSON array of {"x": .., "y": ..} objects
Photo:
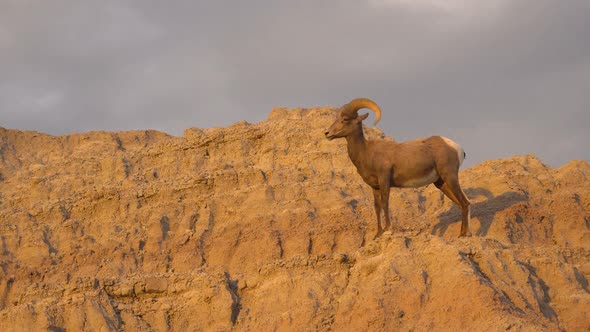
[{"x": 501, "y": 77}]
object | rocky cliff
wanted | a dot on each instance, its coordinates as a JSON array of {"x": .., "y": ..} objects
[{"x": 268, "y": 227}]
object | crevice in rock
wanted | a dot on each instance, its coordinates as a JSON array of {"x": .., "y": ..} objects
[
  {"x": 119, "y": 143},
  {"x": 364, "y": 240},
  {"x": 468, "y": 257},
  {"x": 113, "y": 303},
  {"x": 164, "y": 227},
  {"x": 334, "y": 244},
  {"x": 353, "y": 203},
  {"x": 506, "y": 298},
  {"x": 6, "y": 292},
  {"x": 279, "y": 243},
  {"x": 421, "y": 201},
  {"x": 65, "y": 214},
  {"x": 541, "y": 293},
  {"x": 5, "y": 251},
  {"x": 141, "y": 245},
  {"x": 193, "y": 221},
  {"x": 408, "y": 242},
  {"x": 205, "y": 235},
  {"x": 126, "y": 167},
  {"x": 232, "y": 288},
  {"x": 46, "y": 236},
  {"x": 581, "y": 280}
]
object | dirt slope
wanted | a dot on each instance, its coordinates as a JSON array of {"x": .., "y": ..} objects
[{"x": 268, "y": 227}]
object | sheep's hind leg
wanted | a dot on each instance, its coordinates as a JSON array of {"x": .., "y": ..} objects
[
  {"x": 465, "y": 210},
  {"x": 377, "y": 197},
  {"x": 452, "y": 190}
]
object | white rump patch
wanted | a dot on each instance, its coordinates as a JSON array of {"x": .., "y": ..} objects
[{"x": 456, "y": 147}]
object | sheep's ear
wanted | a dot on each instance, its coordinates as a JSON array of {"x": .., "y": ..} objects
[{"x": 362, "y": 117}]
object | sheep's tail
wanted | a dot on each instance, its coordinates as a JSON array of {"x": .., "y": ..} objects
[{"x": 460, "y": 152}]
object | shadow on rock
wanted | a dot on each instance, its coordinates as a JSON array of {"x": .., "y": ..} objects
[{"x": 484, "y": 211}]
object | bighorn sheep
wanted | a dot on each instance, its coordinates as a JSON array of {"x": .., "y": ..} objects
[{"x": 384, "y": 164}]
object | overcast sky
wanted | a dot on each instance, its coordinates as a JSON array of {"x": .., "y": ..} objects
[{"x": 501, "y": 77}]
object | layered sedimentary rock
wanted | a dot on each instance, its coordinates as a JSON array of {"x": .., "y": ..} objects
[{"x": 267, "y": 226}]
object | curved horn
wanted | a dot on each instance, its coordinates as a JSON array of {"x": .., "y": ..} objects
[{"x": 356, "y": 104}]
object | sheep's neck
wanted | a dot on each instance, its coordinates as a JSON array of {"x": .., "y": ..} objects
[{"x": 356, "y": 147}]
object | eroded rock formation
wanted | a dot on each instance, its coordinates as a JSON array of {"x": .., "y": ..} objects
[{"x": 267, "y": 226}]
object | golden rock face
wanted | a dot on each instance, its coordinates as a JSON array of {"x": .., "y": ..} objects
[{"x": 267, "y": 226}]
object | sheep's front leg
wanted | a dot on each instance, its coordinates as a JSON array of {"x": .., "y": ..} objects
[
  {"x": 377, "y": 198},
  {"x": 384, "y": 186},
  {"x": 385, "y": 206}
]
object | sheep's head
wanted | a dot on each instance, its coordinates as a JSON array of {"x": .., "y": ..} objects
[{"x": 347, "y": 119}]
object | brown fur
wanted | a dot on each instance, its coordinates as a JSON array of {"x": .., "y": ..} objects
[{"x": 385, "y": 164}]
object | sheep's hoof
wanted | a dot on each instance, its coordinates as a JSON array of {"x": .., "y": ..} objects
[
  {"x": 466, "y": 234},
  {"x": 378, "y": 235}
]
